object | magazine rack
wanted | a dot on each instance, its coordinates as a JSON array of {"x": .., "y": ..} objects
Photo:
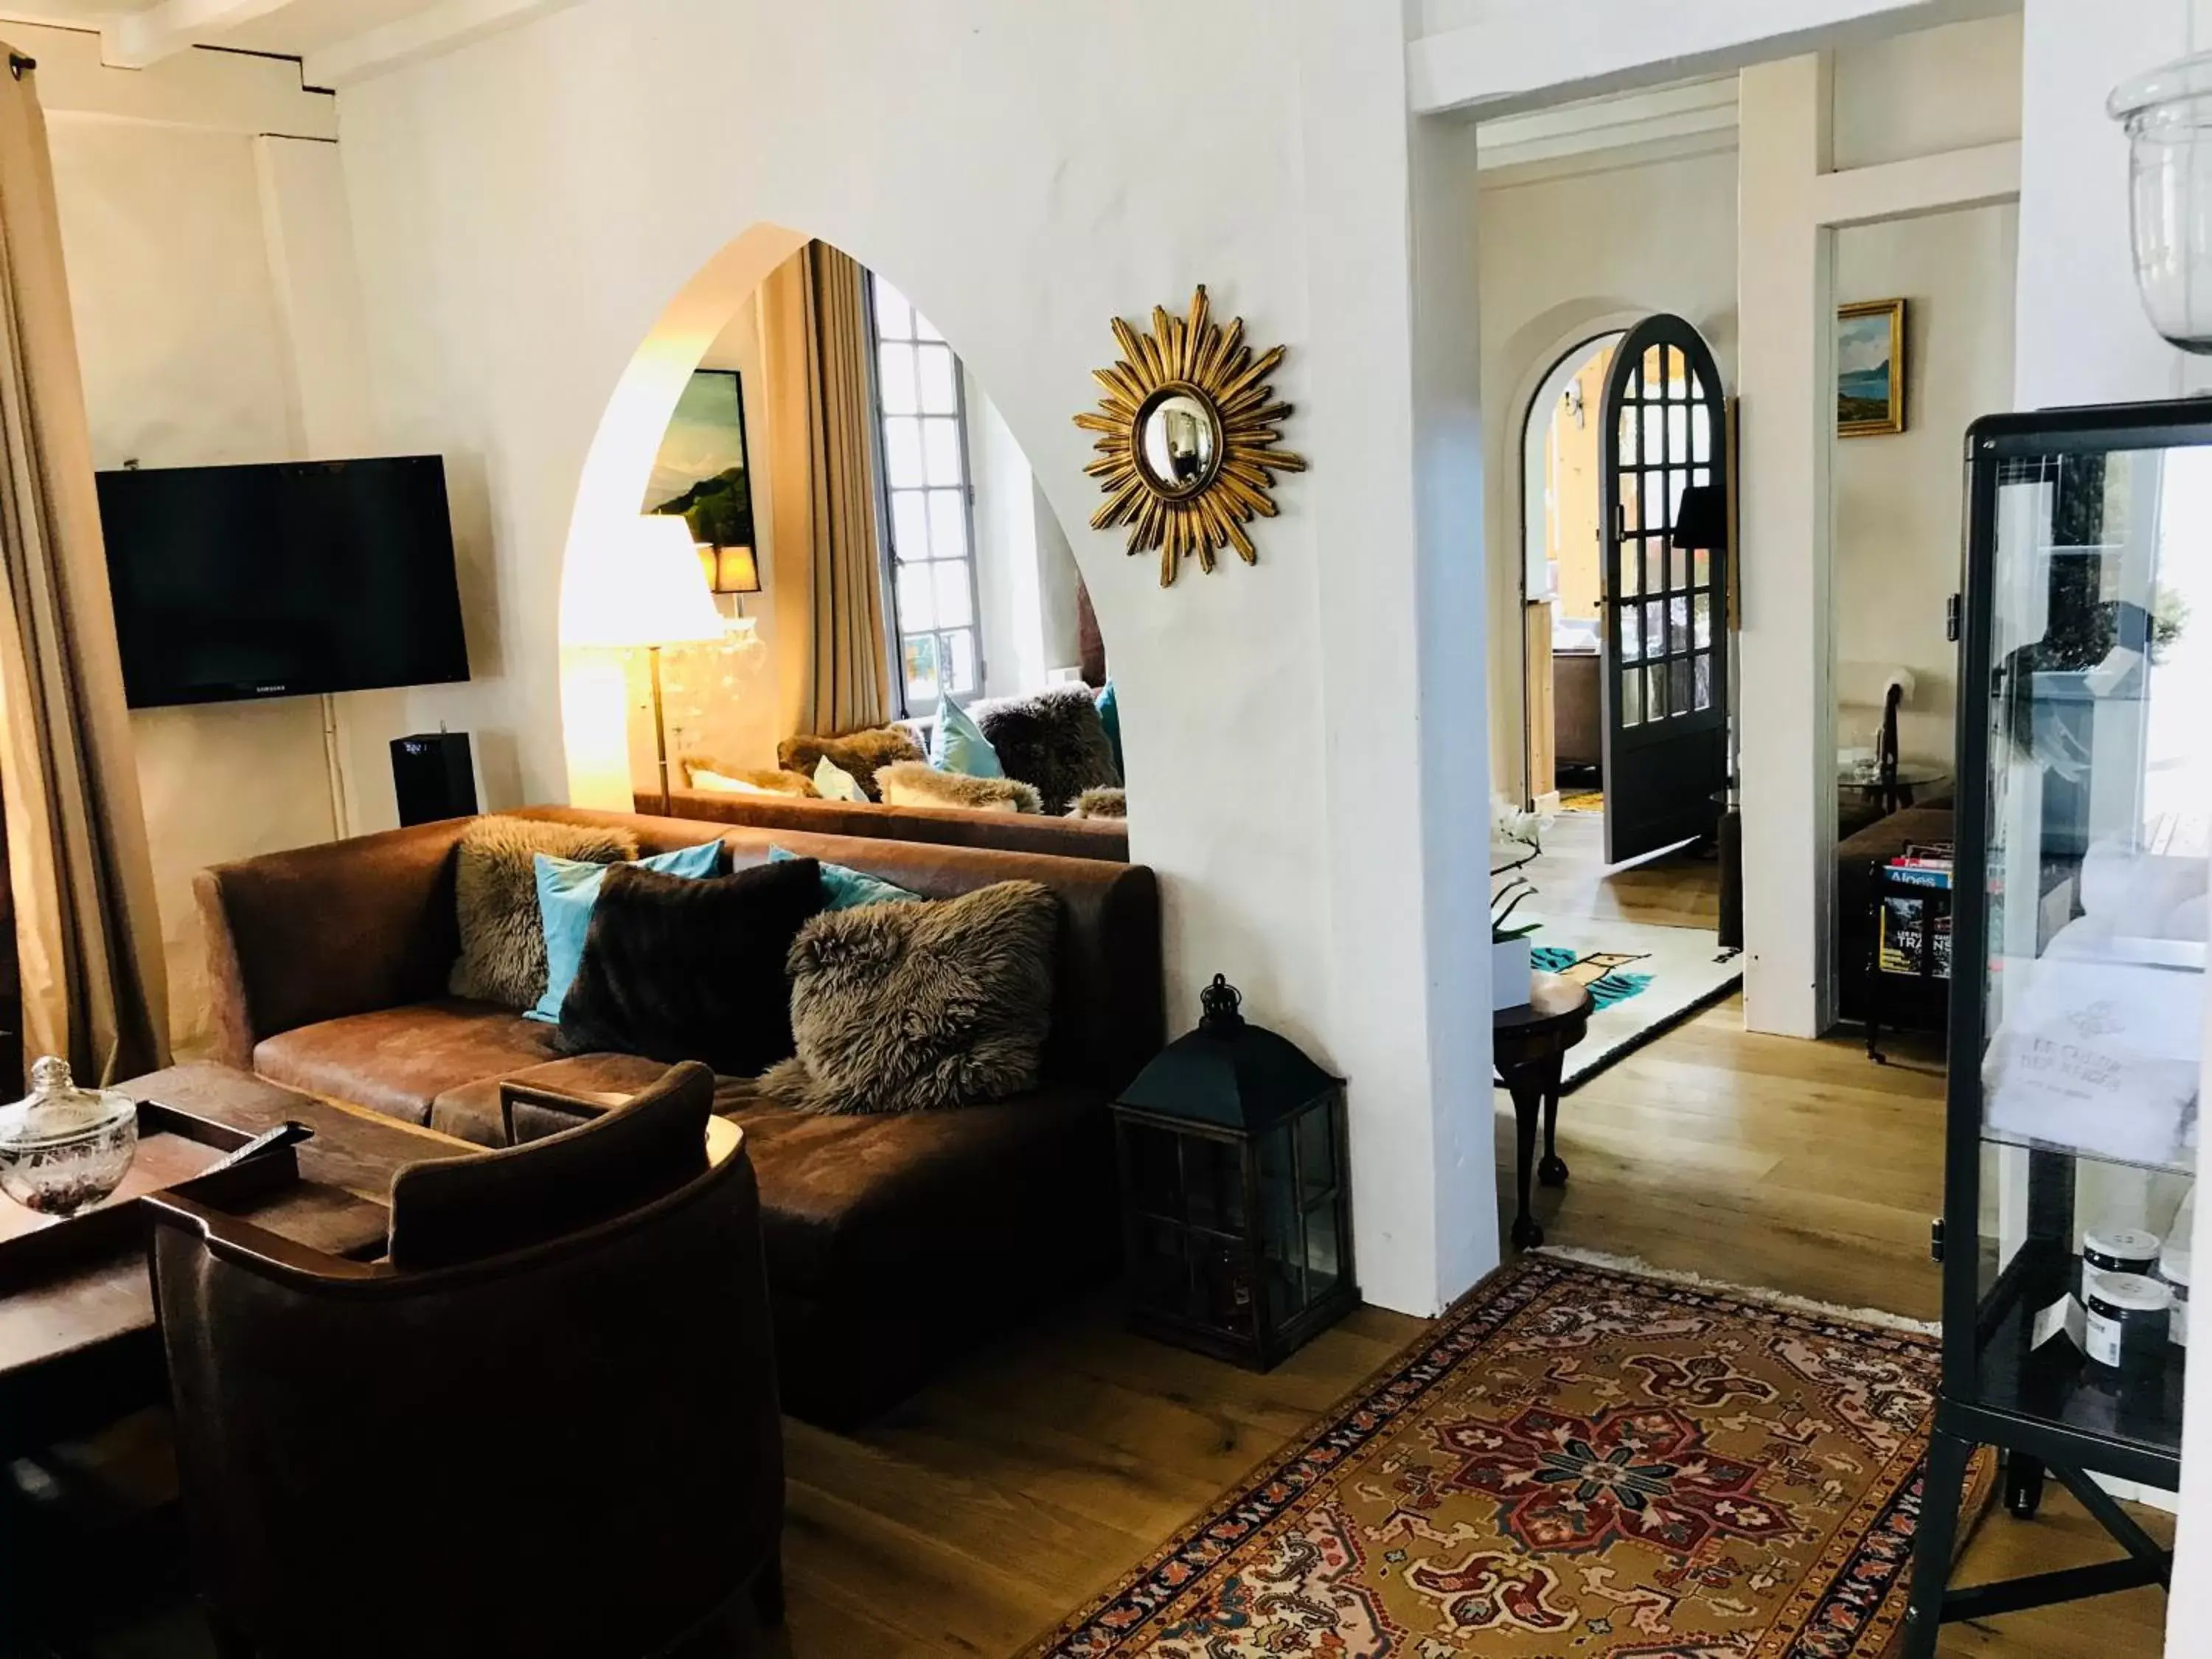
[{"x": 2078, "y": 940}]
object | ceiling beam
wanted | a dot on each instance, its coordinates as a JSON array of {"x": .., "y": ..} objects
[
  {"x": 436, "y": 29},
  {"x": 140, "y": 39}
]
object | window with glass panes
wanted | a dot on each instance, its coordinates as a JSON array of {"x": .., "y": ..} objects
[{"x": 926, "y": 500}]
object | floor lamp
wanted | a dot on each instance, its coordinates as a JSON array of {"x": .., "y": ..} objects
[{"x": 656, "y": 596}]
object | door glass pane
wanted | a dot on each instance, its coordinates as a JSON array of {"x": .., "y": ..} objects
[
  {"x": 1631, "y": 516},
  {"x": 1701, "y": 568},
  {"x": 1655, "y": 565},
  {"x": 902, "y": 450},
  {"x": 1677, "y": 374},
  {"x": 1654, "y": 691},
  {"x": 938, "y": 395},
  {"x": 1678, "y": 694},
  {"x": 1678, "y": 480},
  {"x": 1702, "y": 609},
  {"x": 1678, "y": 624},
  {"x": 895, "y": 380},
  {"x": 948, "y": 524},
  {"x": 910, "y": 524},
  {"x": 955, "y": 602},
  {"x": 966, "y": 672},
  {"x": 1631, "y": 570},
  {"x": 1704, "y": 660},
  {"x": 1631, "y": 697},
  {"x": 1632, "y": 446},
  {"x": 919, "y": 651},
  {"x": 917, "y": 597},
  {"x": 940, "y": 443},
  {"x": 1678, "y": 432},
  {"x": 1654, "y": 628},
  {"x": 1655, "y": 371},
  {"x": 1631, "y": 634},
  {"x": 1678, "y": 568}
]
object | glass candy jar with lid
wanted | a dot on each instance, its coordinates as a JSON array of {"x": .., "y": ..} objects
[
  {"x": 63, "y": 1149},
  {"x": 2167, "y": 114}
]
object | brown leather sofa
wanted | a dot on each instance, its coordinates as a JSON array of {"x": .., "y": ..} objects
[
  {"x": 947, "y": 826},
  {"x": 892, "y": 1242}
]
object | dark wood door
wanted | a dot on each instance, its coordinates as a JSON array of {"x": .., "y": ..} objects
[{"x": 1665, "y": 634}]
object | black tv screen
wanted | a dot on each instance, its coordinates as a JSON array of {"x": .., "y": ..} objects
[{"x": 278, "y": 580}]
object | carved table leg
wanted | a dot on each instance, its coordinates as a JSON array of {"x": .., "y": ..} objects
[
  {"x": 1552, "y": 1172},
  {"x": 1531, "y": 1083}
]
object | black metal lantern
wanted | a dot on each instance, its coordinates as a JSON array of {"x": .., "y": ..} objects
[{"x": 1234, "y": 1191}]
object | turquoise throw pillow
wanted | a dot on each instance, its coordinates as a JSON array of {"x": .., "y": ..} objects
[
  {"x": 848, "y": 890},
  {"x": 1110, "y": 716},
  {"x": 833, "y": 782},
  {"x": 959, "y": 744},
  {"x": 567, "y": 891}
]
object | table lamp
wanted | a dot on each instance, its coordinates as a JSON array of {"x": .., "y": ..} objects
[
  {"x": 656, "y": 596},
  {"x": 730, "y": 570}
]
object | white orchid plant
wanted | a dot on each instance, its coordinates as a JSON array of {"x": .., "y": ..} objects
[{"x": 1516, "y": 837}]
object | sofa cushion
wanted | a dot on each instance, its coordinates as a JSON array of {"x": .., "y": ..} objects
[
  {"x": 1054, "y": 740},
  {"x": 917, "y": 783},
  {"x": 398, "y": 1061},
  {"x": 693, "y": 969},
  {"x": 906, "y": 1007},
  {"x": 860, "y": 753},
  {"x": 472, "y": 1110},
  {"x": 495, "y": 889}
]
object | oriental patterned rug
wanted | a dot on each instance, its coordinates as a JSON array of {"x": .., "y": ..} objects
[{"x": 1578, "y": 1462}]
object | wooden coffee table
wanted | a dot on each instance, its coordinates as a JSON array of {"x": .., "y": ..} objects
[
  {"x": 1528, "y": 1045},
  {"x": 81, "y": 1349}
]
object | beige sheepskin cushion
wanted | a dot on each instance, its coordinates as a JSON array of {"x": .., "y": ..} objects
[
  {"x": 495, "y": 893},
  {"x": 906, "y": 1007},
  {"x": 861, "y": 753},
  {"x": 917, "y": 783},
  {"x": 710, "y": 774},
  {"x": 1100, "y": 804}
]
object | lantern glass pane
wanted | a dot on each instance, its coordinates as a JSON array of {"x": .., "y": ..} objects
[
  {"x": 1286, "y": 1296},
  {"x": 1278, "y": 1194},
  {"x": 1221, "y": 1288},
  {"x": 1317, "y": 1151},
  {"x": 1155, "y": 1170},
  {"x": 1213, "y": 1184},
  {"x": 1323, "y": 1250},
  {"x": 1162, "y": 1277}
]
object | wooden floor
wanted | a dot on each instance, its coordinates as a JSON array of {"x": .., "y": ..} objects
[
  {"x": 1680, "y": 889},
  {"x": 976, "y": 1515}
]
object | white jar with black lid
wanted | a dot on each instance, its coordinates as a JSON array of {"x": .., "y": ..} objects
[
  {"x": 2119, "y": 1250},
  {"x": 2129, "y": 1319},
  {"x": 2173, "y": 1269}
]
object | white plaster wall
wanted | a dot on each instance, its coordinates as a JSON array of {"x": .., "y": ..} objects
[
  {"x": 1927, "y": 90},
  {"x": 1563, "y": 258},
  {"x": 185, "y": 363},
  {"x": 1007, "y": 578},
  {"x": 1897, "y": 500},
  {"x": 526, "y": 207}
]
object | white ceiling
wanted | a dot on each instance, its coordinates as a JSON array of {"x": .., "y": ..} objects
[{"x": 343, "y": 38}]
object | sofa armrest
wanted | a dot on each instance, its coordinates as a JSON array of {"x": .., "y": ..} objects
[
  {"x": 529, "y": 1112},
  {"x": 321, "y": 932}
]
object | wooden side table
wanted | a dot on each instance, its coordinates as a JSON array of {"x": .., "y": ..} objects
[{"x": 1528, "y": 1045}]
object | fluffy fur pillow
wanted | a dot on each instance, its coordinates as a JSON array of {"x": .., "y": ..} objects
[
  {"x": 495, "y": 892},
  {"x": 917, "y": 783},
  {"x": 861, "y": 753},
  {"x": 904, "y": 1008},
  {"x": 1054, "y": 740},
  {"x": 704, "y": 773},
  {"x": 682, "y": 969},
  {"x": 1100, "y": 804}
]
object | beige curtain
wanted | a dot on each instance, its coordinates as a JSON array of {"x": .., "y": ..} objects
[
  {"x": 814, "y": 322},
  {"x": 87, "y": 937}
]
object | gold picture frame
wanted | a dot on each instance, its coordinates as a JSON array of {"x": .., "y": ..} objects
[
  {"x": 1870, "y": 369},
  {"x": 1189, "y": 430}
]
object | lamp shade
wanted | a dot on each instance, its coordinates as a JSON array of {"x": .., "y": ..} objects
[
  {"x": 1701, "y": 518},
  {"x": 731, "y": 569},
  {"x": 652, "y": 591}
]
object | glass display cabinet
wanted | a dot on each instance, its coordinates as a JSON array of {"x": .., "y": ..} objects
[{"x": 2077, "y": 990}]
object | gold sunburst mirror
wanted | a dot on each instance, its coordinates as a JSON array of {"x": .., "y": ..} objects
[{"x": 1188, "y": 438}]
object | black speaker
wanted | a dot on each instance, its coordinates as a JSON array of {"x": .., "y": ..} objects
[{"x": 432, "y": 777}]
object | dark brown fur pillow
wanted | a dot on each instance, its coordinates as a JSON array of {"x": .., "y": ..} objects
[
  {"x": 495, "y": 893},
  {"x": 681, "y": 968},
  {"x": 1054, "y": 740},
  {"x": 861, "y": 753},
  {"x": 904, "y": 1008}
]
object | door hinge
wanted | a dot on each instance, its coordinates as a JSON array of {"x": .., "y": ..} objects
[
  {"x": 1936, "y": 1239},
  {"x": 1953, "y": 613}
]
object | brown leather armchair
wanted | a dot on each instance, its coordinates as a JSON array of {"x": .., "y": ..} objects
[{"x": 546, "y": 1424}]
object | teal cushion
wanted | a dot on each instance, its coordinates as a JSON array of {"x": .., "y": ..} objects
[
  {"x": 1110, "y": 716},
  {"x": 567, "y": 891},
  {"x": 833, "y": 782},
  {"x": 959, "y": 744},
  {"x": 848, "y": 890}
]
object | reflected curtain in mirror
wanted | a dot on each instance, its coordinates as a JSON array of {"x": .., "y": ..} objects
[
  {"x": 88, "y": 938},
  {"x": 823, "y": 487}
]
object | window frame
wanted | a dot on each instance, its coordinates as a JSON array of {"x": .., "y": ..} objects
[{"x": 896, "y": 635}]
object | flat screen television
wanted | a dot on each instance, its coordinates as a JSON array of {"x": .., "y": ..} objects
[{"x": 279, "y": 581}]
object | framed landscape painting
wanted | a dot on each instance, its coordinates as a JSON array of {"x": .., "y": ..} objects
[
  {"x": 701, "y": 471},
  {"x": 1870, "y": 369}
]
